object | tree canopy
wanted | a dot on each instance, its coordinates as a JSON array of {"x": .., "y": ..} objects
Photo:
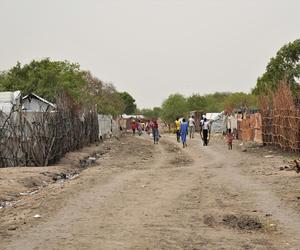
[
  {"x": 284, "y": 66},
  {"x": 196, "y": 102},
  {"x": 45, "y": 78},
  {"x": 177, "y": 105},
  {"x": 104, "y": 95},
  {"x": 240, "y": 100},
  {"x": 129, "y": 102},
  {"x": 151, "y": 113},
  {"x": 174, "y": 106},
  {"x": 49, "y": 79}
]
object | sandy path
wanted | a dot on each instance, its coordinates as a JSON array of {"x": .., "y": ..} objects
[{"x": 172, "y": 199}]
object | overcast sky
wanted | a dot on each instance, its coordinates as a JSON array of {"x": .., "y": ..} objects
[{"x": 152, "y": 48}]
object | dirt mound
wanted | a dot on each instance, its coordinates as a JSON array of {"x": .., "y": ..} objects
[{"x": 242, "y": 222}]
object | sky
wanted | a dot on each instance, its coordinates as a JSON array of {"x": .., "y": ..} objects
[{"x": 152, "y": 48}]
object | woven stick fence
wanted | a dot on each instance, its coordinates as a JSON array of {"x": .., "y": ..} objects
[
  {"x": 42, "y": 138},
  {"x": 281, "y": 120}
]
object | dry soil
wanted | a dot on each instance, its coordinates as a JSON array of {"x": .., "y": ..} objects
[{"x": 144, "y": 196}]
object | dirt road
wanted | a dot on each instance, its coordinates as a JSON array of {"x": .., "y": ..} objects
[{"x": 144, "y": 196}]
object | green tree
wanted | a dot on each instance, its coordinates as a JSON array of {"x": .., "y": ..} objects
[
  {"x": 240, "y": 100},
  {"x": 151, "y": 113},
  {"x": 156, "y": 112},
  {"x": 45, "y": 78},
  {"x": 50, "y": 79},
  {"x": 105, "y": 96},
  {"x": 284, "y": 66},
  {"x": 196, "y": 102},
  {"x": 215, "y": 102},
  {"x": 130, "y": 106},
  {"x": 174, "y": 106},
  {"x": 110, "y": 102}
]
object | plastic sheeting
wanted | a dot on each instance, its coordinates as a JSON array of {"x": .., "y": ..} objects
[
  {"x": 107, "y": 126},
  {"x": 218, "y": 122},
  {"x": 221, "y": 122},
  {"x": 8, "y": 100}
]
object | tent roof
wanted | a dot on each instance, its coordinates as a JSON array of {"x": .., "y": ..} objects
[{"x": 39, "y": 98}]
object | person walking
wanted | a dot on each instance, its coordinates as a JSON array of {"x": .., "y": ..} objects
[
  {"x": 139, "y": 128},
  {"x": 229, "y": 139},
  {"x": 183, "y": 132},
  {"x": 177, "y": 127},
  {"x": 191, "y": 127},
  {"x": 202, "y": 122},
  {"x": 205, "y": 131},
  {"x": 133, "y": 126},
  {"x": 148, "y": 127},
  {"x": 155, "y": 132},
  {"x": 201, "y": 125}
]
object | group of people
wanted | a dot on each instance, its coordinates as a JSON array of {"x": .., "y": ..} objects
[
  {"x": 149, "y": 127},
  {"x": 137, "y": 126},
  {"x": 185, "y": 127}
]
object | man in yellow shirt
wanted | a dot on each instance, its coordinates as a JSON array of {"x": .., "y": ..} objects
[{"x": 177, "y": 127}]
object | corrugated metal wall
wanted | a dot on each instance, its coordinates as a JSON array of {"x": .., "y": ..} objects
[{"x": 107, "y": 126}]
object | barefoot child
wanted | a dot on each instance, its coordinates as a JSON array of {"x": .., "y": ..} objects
[{"x": 229, "y": 139}]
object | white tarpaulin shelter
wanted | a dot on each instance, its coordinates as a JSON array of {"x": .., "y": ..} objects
[
  {"x": 218, "y": 122},
  {"x": 221, "y": 122},
  {"x": 124, "y": 116},
  {"x": 213, "y": 116},
  {"x": 9, "y": 101}
]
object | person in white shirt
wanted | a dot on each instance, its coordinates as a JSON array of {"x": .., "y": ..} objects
[
  {"x": 205, "y": 129},
  {"x": 191, "y": 127},
  {"x": 202, "y": 120}
]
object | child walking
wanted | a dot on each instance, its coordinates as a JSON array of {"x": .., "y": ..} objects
[{"x": 229, "y": 139}]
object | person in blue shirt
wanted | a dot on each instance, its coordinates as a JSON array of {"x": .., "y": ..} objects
[{"x": 184, "y": 131}]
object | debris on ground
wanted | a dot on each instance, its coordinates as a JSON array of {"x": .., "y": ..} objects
[
  {"x": 4, "y": 204},
  {"x": 292, "y": 165},
  {"x": 14, "y": 191},
  {"x": 89, "y": 161},
  {"x": 65, "y": 176},
  {"x": 269, "y": 156},
  {"x": 28, "y": 193}
]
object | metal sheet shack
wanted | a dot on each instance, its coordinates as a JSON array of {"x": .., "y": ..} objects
[{"x": 35, "y": 103}]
